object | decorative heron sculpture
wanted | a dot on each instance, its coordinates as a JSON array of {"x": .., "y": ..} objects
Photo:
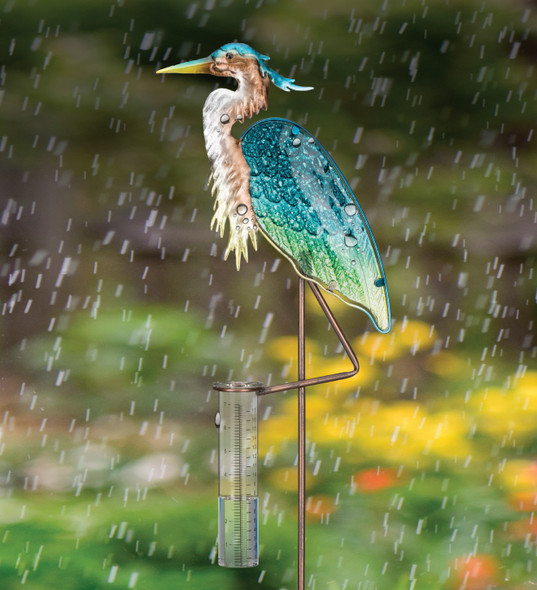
[{"x": 279, "y": 181}]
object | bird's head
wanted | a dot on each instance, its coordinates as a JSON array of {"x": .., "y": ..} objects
[{"x": 234, "y": 60}]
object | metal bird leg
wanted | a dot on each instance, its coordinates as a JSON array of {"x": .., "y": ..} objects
[
  {"x": 301, "y": 434},
  {"x": 302, "y": 381},
  {"x": 301, "y": 385}
]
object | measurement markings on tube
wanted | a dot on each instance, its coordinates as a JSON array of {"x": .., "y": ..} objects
[
  {"x": 239, "y": 540},
  {"x": 238, "y": 537}
]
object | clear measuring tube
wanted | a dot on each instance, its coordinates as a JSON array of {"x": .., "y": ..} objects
[{"x": 236, "y": 419}]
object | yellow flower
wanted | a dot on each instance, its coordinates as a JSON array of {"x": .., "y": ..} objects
[
  {"x": 528, "y": 382},
  {"x": 401, "y": 433},
  {"x": 285, "y": 348},
  {"x": 525, "y": 389},
  {"x": 332, "y": 429},
  {"x": 445, "y": 364},
  {"x": 317, "y": 406},
  {"x": 410, "y": 335},
  {"x": 520, "y": 475},
  {"x": 379, "y": 347},
  {"x": 416, "y": 335},
  {"x": 275, "y": 433},
  {"x": 286, "y": 479},
  {"x": 507, "y": 412},
  {"x": 446, "y": 436}
]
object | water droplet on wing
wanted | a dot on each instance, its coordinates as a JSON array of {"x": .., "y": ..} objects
[
  {"x": 242, "y": 209},
  {"x": 351, "y": 209},
  {"x": 350, "y": 241},
  {"x": 224, "y": 118},
  {"x": 297, "y": 141},
  {"x": 217, "y": 419}
]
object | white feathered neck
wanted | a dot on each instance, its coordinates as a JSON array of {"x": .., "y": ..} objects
[{"x": 230, "y": 174}]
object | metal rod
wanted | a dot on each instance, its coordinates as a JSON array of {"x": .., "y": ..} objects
[
  {"x": 301, "y": 385},
  {"x": 303, "y": 382},
  {"x": 301, "y": 433}
]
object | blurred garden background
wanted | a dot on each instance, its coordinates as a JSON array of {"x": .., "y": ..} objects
[{"x": 118, "y": 311}]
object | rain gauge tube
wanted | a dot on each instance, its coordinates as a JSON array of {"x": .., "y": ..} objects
[{"x": 236, "y": 420}]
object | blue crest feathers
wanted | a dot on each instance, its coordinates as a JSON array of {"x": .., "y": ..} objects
[{"x": 277, "y": 79}]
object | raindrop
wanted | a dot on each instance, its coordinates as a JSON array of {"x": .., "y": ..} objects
[
  {"x": 217, "y": 419},
  {"x": 147, "y": 41},
  {"x": 358, "y": 135},
  {"x": 224, "y": 118},
  {"x": 113, "y": 574},
  {"x": 350, "y": 241},
  {"x": 295, "y": 130},
  {"x": 242, "y": 209},
  {"x": 380, "y": 282},
  {"x": 245, "y": 220},
  {"x": 191, "y": 10},
  {"x": 351, "y": 209},
  {"x": 332, "y": 285},
  {"x": 514, "y": 50},
  {"x": 297, "y": 141}
]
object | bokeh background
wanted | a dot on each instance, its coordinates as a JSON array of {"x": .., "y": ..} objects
[{"x": 118, "y": 311}]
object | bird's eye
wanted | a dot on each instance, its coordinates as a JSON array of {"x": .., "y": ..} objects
[{"x": 229, "y": 55}]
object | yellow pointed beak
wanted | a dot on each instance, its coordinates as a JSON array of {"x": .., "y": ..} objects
[{"x": 197, "y": 66}]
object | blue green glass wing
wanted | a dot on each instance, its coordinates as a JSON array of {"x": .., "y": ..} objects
[{"x": 306, "y": 209}]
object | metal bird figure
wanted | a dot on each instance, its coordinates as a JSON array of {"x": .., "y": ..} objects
[{"x": 278, "y": 180}]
